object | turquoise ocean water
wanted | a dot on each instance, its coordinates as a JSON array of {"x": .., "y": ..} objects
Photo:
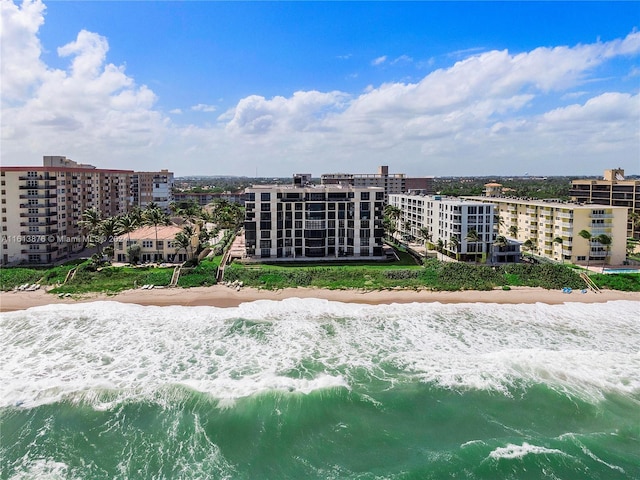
[{"x": 310, "y": 389}]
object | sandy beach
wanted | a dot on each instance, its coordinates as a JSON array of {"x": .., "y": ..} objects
[{"x": 222, "y": 296}]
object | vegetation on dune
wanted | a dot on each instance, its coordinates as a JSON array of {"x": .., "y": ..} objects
[
  {"x": 403, "y": 274},
  {"x": 434, "y": 276}
]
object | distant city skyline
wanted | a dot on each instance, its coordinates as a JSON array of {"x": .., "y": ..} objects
[{"x": 272, "y": 88}]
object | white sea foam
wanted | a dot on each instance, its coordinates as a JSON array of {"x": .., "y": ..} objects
[
  {"x": 518, "y": 451},
  {"x": 76, "y": 352}
]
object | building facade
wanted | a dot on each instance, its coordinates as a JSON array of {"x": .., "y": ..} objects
[
  {"x": 156, "y": 245},
  {"x": 43, "y": 205},
  {"x": 448, "y": 223},
  {"x": 152, "y": 187},
  {"x": 553, "y": 228},
  {"x": 301, "y": 221},
  {"x": 391, "y": 183},
  {"x": 613, "y": 189}
]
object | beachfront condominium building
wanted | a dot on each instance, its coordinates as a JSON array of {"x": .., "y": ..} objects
[
  {"x": 553, "y": 228},
  {"x": 448, "y": 223},
  {"x": 391, "y": 183},
  {"x": 303, "y": 221},
  {"x": 43, "y": 205},
  {"x": 152, "y": 187},
  {"x": 613, "y": 189}
]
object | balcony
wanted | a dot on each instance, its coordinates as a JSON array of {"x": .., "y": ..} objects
[
  {"x": 43, "y": 214},
  {"x": 48, "y": 223},
  {"x": 601, "y": 215},
  {"x": 39, "y": 205},
  {"x": 40, "y": 186},
  {"x": 53, "y": 231},
  {"x": 38, "y": 195},
  {"x": 49, "y": 249},
  {"x": 39, "y": 177}
]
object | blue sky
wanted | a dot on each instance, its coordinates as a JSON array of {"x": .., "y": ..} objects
[{"x": 231, "y": 88}]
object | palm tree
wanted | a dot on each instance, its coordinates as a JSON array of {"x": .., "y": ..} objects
[
  {"x": 605, "y": 241},
  {"x": 127, "y": 224},
  {"x": 137, "y": 215},
  {"x": 189, "y": 231},
  {"x": 182, "y": 241},
  {"x": 498, "y": 221},
  {"x": 155, "y": 217},
  {"x": 513, "y": 231},
  {"x": 392, "y": 214},
  {"x": 454, "y": 243},
  {"x": 109, "y": 229},
  {"x": 473, "y": 237},
  {"x": 529, "y": 245},
  {"x": 91, "y": 219},
  {"x": 559, "y": 241},
  {"x": 500, "y": 242},
  {"x": 425, "y": 236},
  {"x": 587, "y": 236}
]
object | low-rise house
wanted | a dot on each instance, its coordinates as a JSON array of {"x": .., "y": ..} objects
[{"x": 155, "y": 245}]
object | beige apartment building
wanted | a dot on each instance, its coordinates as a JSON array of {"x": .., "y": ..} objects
[
  {"x": 302, "y": 221},
  {"x": 152, "y": 187},
  {"x": 163, "y": 249},
  {"x": 543, "y": 222},
  {"x": 42, "y": 206},
  {"x": 613, "y": 189}
]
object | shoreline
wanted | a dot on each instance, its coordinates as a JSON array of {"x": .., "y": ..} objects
[{"x": 222, "y": 296}]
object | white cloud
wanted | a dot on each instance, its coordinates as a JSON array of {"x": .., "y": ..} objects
[
  {"x": 402, "y": 59},
  {"x": 379, "y": 60},
  {"x": 473, "y": 117},
  {"x": 202, "y": 107}
]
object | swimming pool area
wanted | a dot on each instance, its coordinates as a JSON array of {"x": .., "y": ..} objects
[{"x": 621, "y": 270}]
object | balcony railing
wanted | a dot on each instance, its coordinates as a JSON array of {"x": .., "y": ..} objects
[
  {"x": 39, "y": 205},
  {"x": 38, "y": 195},
  {"x": 25, "y": 233},
  {"x": 40, "y": 186},
  {"x": 38, "y": 224},
  {"x": 42, "y": 214},
  {"x": 49, "y": 249},
  {"x": 39, "y": 177}
]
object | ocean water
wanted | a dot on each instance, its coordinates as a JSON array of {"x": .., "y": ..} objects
[{"x": 311, "y": 389}]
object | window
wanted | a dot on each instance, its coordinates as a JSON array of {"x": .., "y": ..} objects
[
  {"x": 265, "y": 196},
  {"x": 147, "y": 244},
  {"x": 160, "y": 245},
  {"x": 364, "y": 195}
]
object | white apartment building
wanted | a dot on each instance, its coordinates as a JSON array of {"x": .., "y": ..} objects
[
  {"x": 543, "y": 222},
  {"x": 42, "y": 205},
  {"x": 448, "y": 222},
  {"x": 303, "y": 221}
]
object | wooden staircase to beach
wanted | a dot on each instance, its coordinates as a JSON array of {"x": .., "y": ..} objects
[
  {"x": 175, "y": 277},
  {"x": 590, "y": 284}
]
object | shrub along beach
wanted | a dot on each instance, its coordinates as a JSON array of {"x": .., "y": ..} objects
[{"x": 340, "y": 281}]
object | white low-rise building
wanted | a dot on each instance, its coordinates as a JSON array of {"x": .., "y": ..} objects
[{"x": 462, "y": 229}]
